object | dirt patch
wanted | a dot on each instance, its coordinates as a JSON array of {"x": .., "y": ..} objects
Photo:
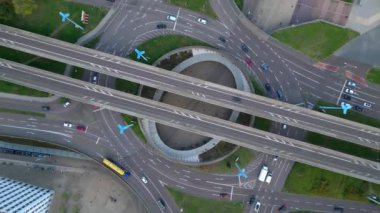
[
  {"x": 82, "y": 187},
  {"x": 209, "y": 71}
]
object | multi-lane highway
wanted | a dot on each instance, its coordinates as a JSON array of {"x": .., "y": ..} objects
[
  {"x": 190, "y": 121},
  {"x": 195, "y": 88}
]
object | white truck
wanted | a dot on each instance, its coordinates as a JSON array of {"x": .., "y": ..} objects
[{"x": 263, "y": 173}]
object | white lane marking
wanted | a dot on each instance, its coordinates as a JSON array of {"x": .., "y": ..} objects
[
  {"x": 175, "y": 23},
  {"x": 232, "y": 191}
]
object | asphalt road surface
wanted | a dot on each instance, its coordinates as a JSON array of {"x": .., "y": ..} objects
[{"x": 190, "y": 121}]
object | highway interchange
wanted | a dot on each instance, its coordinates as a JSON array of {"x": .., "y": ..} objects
[
  {"x": 191, "y": 87},
  {"x": 129, "y": 161}
]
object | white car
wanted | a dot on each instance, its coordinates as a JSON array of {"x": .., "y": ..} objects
[
  {"x": 171, "y": 18},
  {"x": 351, "y": 83},
  {"x": 275, "y": 158},
  {"x": 66, "y": 104},
  {"x": 284, "y": 126},
  {"x": 257, "y": 206},
  {"x": 350, "y": 91},
  {"x": 202, "y": 21},
  {"x": 67, "y": 124},
  {"x": 366, "y": 104},
  {"x": 144, "y": 180}
]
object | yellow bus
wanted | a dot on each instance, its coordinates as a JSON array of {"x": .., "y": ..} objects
[{"x": 115, "y": 168}]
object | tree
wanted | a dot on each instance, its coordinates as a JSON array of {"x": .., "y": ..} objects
[
  {"x": 24, "y": 7},
  {"x": 6, "y": 10}
]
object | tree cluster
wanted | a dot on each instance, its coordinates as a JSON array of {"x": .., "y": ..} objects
[{"x": 10, "y": 8}]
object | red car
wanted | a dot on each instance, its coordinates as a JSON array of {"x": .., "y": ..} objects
[
  {"x": 249, "y": 62},
  {"x": 81, "y": 128}
]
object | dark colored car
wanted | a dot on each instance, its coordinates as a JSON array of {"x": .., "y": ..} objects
[
  {"x": 279, "y": 94},
  {"x": 249, "y": 62},
  {"x": 282, "y": 207},
  {"x": 346, "y": 97},
  {"x": 161, "y": 203},
  {"x": 237, "y": 99},
  {"x": 338, "y": 209},
  {"x": 45, "y": 108},
  {"x": 244, "y": 48},
  {"x": 222, "y": 39},
  {"x": 358, "y": 108},
  {"x": 252, "y": 200},
  {"x": 223, "y": 195},
  {"x": 268, "y": 87},
  {"x": 161, "y": 26},
  {"x": 264, "y": 66},
  {"x": 111, "y": 0},
  {"x": 81, "y": 128}
]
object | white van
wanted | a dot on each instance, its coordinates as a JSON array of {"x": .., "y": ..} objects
[
  {"x": 263, "y": 173},
  {"x": 269, "y": 178},
  {"x": 171, "y": 18}
]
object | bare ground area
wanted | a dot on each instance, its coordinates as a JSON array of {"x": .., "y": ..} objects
[
  {"x": 79, "y": 185},
  {"x": 209, "y": 71}
]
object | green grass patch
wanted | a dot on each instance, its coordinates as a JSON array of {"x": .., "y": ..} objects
[
  {"x": 344, "y": 146},
  {"x": 239, "y": 4},
  {"x": 202, "y": 6},
  {"x": 227, "y": 165},
  {"x": 136, "y": 127},
  {"x": 77, "y": 73},
  {"x": 317, "y": 40},
  {"x": 259, "y": 90},
  {"x": 304, "y": 179},
  {"x": 45, "y": 20},
  {"x": 373, "y": 75},
  {"x": 15, "y": 111},
  {"x": 348, "y": 1},
  {"x": 127, "y": 86},
  {"x": 262, "y": 124},
  {"x": 31, "y": 60},
  {"x": 9, "y": 87},
  {"x": 157, "y": 47},
  {"x": 191, "y": 203},
  {"x": 351, "y": 115}
]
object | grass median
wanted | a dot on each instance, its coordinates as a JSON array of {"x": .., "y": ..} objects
[
  {"x": 308, "y": 180},
  {"x": 317, "y": 40},
  {"x": 21, "y": 112},
  {"x": 201, "y": 6},
  {"x": 136, "y": 126},
  {"x": 344, "y": 146},
  {"x": 8, "y": 87},
  {"x": 373, "y": 75},
  {"x": 189, "y": 203}
]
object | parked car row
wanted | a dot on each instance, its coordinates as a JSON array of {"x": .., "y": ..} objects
[{"x": 348, "y": 91}]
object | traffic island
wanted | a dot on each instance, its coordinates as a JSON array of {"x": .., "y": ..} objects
[{"x": 179, "y": 145}]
